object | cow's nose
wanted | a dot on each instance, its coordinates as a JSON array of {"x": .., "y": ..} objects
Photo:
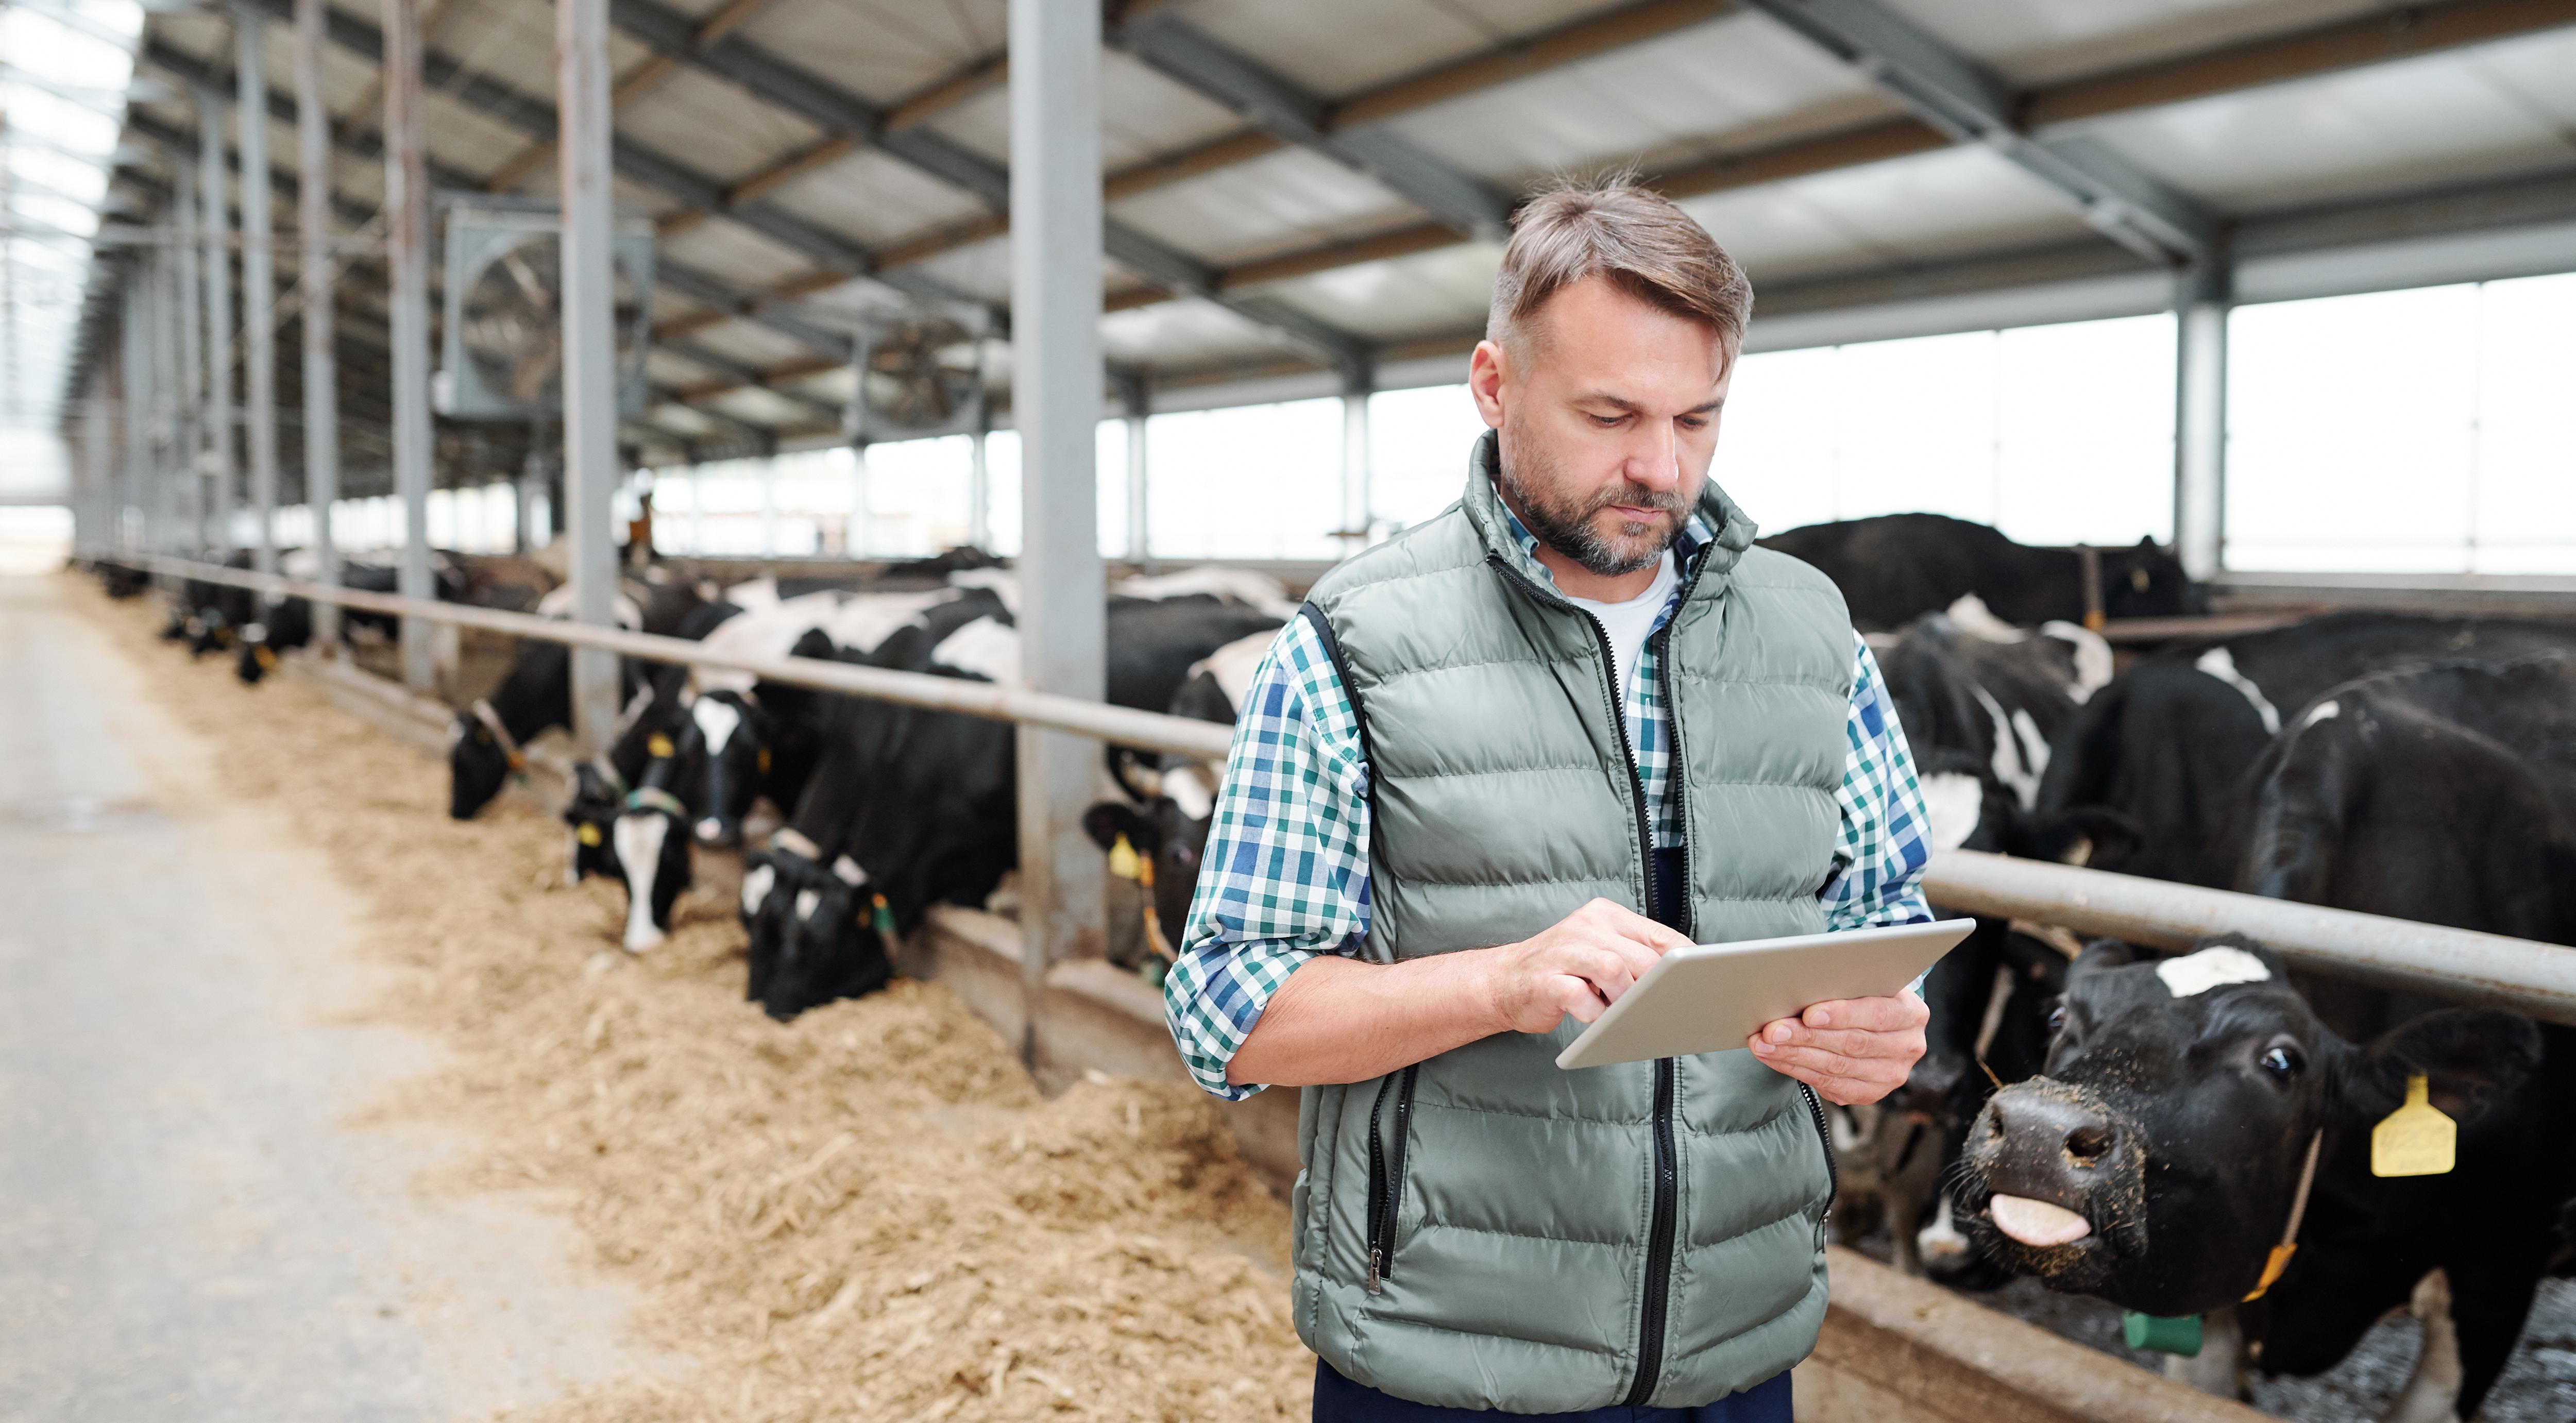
[{"x": 2039, "y": 1126}]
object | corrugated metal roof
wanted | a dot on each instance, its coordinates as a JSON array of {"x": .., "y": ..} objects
[{"x": 1805, "y": 166}]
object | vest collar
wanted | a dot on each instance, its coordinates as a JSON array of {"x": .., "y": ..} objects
[{"x": 1731, "y": 530}]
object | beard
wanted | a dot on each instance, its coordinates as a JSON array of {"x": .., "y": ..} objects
[{"x": 1575, "y": 526}]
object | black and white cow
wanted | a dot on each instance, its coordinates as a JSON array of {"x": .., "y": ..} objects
[
  {"x": 2181, "y": 1095},
  {"x": 1894, "y": 568},
  {"x": 487, "y": 743},
  {"x": 925, "y": 812},
  {"x": 2145, "y": 777}
]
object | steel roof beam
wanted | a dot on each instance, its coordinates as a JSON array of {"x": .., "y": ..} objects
[
  {"x": 1963, "y": 100},
  {"x": 641, "y": 164},
  {"x": 837, "y": 111},
  {"x": 1284, "y": 110}
]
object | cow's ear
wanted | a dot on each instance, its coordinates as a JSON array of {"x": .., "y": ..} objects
[
  {"x": 1107, "y": 820},
  {"x": 2102, "y": 956},
  {"x": 2085, "y": 835},
  {"x": 2474, "y": 1058}
]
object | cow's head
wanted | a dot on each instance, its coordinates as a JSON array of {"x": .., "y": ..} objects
[
  {"x": 831, "y": 928},
  {"x": 2147, "y": 581},
  {"x": 478, "y": 765},
  {"x": 733, "y": 734},
  {"x": 587, "y": 818},
  {"x": 256, "y": 659},
  {"x": 2155, "y": 1162},
  {"x": 651, "y": 838},
  {"x": 1165, "y": 822}
]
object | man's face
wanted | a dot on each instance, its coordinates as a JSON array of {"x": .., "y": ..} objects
[{"x": 1608, "y": 408}]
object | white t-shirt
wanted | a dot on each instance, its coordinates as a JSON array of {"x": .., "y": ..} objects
[{"x": 1628, "y": 623}]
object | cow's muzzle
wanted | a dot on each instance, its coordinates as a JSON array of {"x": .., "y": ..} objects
[{"x": 2054, "y": 1183}]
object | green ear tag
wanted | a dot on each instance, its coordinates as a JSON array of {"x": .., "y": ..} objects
[
  {"x": 881, "y": 918},
  {"x": 2161, "y": 1335}
]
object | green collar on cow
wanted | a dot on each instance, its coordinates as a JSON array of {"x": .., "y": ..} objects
[
  {"x": 501, "y": 736},
  {"x": 656, "y": 798}
]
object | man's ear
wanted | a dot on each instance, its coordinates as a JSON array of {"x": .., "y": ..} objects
[
  {"x": 2475, "y": 1059},
  {"x": 1486, "y": 370}
]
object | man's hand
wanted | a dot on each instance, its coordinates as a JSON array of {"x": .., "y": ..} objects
[
  {"x": 1578, "y": 965},
  {"x": 1852, "y": 1051}
]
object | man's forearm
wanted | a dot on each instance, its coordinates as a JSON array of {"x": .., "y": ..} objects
[{"x": 1347, "y": 1020}]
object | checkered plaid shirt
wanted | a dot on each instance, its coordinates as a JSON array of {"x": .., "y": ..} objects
[{"x": 1285, "y": 875}]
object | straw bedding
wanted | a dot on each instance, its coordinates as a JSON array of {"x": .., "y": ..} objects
[{"x": 868, "y": 1213}]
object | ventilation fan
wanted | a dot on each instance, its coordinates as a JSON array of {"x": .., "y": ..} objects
[
  {"x": 920, "y": 373},
  {"x": 504, "y": 345}
]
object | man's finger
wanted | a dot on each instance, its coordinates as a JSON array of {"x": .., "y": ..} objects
[
  {"x": 1630, "y": 924},
  {"x": 1575, "y": 996},
  {"x": 1849, "y": 1042},
  {"x": 1878, "y": 1015}
]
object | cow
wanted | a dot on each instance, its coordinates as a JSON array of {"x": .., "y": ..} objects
[
  {"x": 2443, "y": 792},
  {"x": 921, "y": 805},
  {"x": 1894, "y": 568},
  {"x": 2157, "y": 1163},
  {"x": 2144, "y": 777},
  {"x": 759, "y": 738}
]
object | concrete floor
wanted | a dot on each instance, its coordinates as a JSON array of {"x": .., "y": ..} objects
[{"x": 189, "y": 1229}]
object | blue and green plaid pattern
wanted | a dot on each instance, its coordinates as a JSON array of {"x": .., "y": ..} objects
[{"x": 1285, "y": 875}]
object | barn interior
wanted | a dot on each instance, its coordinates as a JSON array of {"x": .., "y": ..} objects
[{"x": 409, "y": 315}]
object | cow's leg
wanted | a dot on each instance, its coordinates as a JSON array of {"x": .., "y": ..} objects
[
  {"x": 2219, "y": 1367},
  {"x": 1910, "y": 1188},
  {"x": 2432, "y": 1395}
]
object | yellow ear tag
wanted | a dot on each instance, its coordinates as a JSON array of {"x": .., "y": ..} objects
[
  {"x": 587, "y": 834},
  {"x": 1122, "y": 859},
  {"x": 2272, "y": 1269},
  {"x": 2416, "y": 1139},
  {"x": 659, "y": 746},
  {"x": 1144, "y": 871}
]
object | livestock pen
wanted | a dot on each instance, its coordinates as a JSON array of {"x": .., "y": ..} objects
[{"x": 1893, "y": 1346}]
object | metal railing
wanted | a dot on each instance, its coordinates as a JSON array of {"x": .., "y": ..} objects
[{"x": 2528, "y": 977}]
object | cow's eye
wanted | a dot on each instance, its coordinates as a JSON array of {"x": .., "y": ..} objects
[
  {"x": 2282, "y": 1061},
  {"x": 2057, "y": 1018}
]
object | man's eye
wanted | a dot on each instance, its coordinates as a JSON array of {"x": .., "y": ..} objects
[{"x": 1607, "y": 421}]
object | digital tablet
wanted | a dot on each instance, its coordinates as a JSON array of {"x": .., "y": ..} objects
[{"x": 1710, "y": 997}]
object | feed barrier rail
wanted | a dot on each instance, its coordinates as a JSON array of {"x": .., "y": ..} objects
[{"x": 2527, "y": 977}]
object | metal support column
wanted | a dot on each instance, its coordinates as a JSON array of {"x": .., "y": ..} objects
[
  {"x": 1056, "y": 375},
  {"x": 590, "y": 353},
  {"x": 134, "y": 371},
  {"x": 320, "y": 280},
  {"x": 178, "y": 470},
  {"x": 1138, "y": 394},
  {"x": 1354, "y": 530},
  {"x": 259, "y": 283},
  {"x": 214, "y": 193},
  {"x": 407, "y": 244},
  {"x": 2200, "y": 419},
  {"x": 186, "y": 356},
  {"x": 979, "y": 492}
]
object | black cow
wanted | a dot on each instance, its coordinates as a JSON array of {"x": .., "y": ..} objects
[
  {"x": 2144, "y": 778},
  {"x": 2156, "y": 1163},
  {"x": 1897, "y": 567},
  {"x": 2444, "y": 793}
]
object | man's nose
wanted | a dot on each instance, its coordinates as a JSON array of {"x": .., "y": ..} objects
[{"x": 1654, "y": 460}]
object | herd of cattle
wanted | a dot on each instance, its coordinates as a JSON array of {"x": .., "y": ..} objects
[{"x": 2138, "y": 1127}]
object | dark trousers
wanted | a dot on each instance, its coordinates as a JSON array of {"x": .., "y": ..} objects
[{"x": 1338, "y": 1400}]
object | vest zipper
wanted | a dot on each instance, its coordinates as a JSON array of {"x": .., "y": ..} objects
[
  {"x": 1833, "y": 1174},
  {"x": 1659, "y": 1233},
  {"x": 1386, "y": 1174}
]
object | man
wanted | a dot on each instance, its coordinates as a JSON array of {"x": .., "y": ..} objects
[{"x": 1495, "y": 767}]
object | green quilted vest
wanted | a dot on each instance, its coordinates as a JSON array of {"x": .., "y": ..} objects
[{"x": 1484, "y": 1230}]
